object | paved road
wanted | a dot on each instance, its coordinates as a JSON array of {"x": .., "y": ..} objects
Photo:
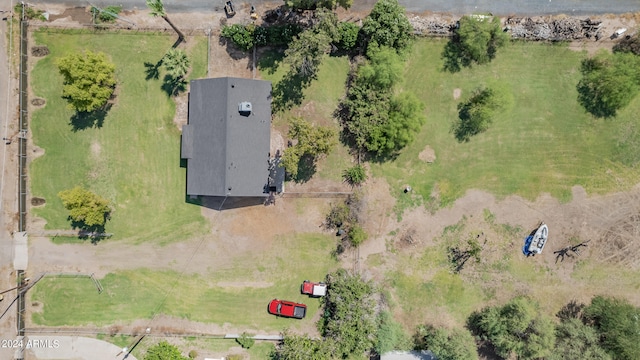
[
  {"x": 498, "y": 7},
  {"x": 73, "y": 348},
  {"x": 7, "y": 188}
]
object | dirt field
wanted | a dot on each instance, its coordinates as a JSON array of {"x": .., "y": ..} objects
[{"x": 611, "y": 222}]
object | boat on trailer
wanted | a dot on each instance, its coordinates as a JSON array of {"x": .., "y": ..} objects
[{"x": 534, "y": 243}]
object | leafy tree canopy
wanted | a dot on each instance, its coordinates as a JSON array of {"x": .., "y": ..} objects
[
  {"x": 164, "y": 351},
  {"x": 302, "y": 347},
  {"x": 481, "y": 38},
  {"x": 618, "y": 324},
  {"x": 349, "y": 314},
  {"x": 515, "y": 328},
  {"x": 355, "y": 175},
  {"x": 609, "y": 82},
  {"x": 476, "y": 114},
  {"x": 575, "y": 340},
  {"x": 306, "y": 51},
  {"x": 457, "y": 344},
  {"x": 348, "y": 35},
  {"x": 312, "y": 142},
  {"x": 318, "y": 4},
  {"x": 387, "y": 25},
  {"x": 383, "y": 70},
  {"x": 157, "y": 9},
  {"x": 89, "y": 80},
  {"x": 241, "y": 35},
  {"x": 176, "y": 63},
  {"x": 375, "y": 120},
  {"x": 391, "y": 335},
  {"x": 85, "y": 207}
]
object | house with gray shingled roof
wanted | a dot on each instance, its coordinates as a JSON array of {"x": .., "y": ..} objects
[{"x": 226, "y": 140}]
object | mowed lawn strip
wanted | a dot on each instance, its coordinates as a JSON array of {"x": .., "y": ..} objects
[
  {"x": 238, "y": 295},
  {"x": 543, "y": 142},
  {"x": 133, "y": 159}
]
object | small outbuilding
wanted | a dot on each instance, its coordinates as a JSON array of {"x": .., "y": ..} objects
[{"x": 226, "y": 140}]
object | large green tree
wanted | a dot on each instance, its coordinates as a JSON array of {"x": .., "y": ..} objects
[
  {"x": 515, "y": 328},
  {"x": 176, "y": 63},
  {"x": 311, "y": 143},
  {"x": 164, "y": 351},
  {"x": 349, "y": 314},
  {"x": 609, "y": 82},
  {"x": 457, "y": 344},
  {"x": 373, "y": 118},
  {"x": 618, "y": 324},
  {"x": 89, "y": 80},
  {"x": 387, "y": 25},
  {"x": 302, "y": 347},
  {"x": 157, "y": 9},
  {"x": 575, "y": 340},
  {"x": 85, "y": 207},
  {"x": 476, "y": 114},
  {"x": 480, "y": 37},
  {"x": 306, "y": 51},
  {"x": 383, "y": 70}
]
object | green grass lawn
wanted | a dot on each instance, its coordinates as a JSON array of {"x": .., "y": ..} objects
[
  {"x": 139, "y": 294},
  {"x": 544, "y": 142},
  {"x": 133, "y": 159}
]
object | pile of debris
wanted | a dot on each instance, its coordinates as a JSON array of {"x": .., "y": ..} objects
[
  {"x": 563, "y": 29},
  {"x": 432, "y": 26}
]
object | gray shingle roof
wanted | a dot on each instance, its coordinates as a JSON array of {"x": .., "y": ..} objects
[{"x": 227, "y": 151}]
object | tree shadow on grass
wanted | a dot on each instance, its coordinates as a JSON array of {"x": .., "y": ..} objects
[
  {"x": 289, "y": 92},
  {"x": 592, "y": 101},
  {"x": 306, "y": 169},
  {"x": 93, "y": 119},
  {"x": 454, "y": 56},
  {"x": 173, "y": 86},
  {"x": 270, "y": 61},
  {"x": 152, "y": 71},
  {"x": 94, "y": 233}
]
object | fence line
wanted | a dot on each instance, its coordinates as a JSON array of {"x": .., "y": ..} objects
[
  {"x": 336, "y": 194},
  {"x": 161, "y": 333},
  {"x": 128, "y": 30}
]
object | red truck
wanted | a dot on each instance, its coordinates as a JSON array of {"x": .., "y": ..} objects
[
  {"x": 286, "y": 308},
  {"x": 313, "y": 289}
]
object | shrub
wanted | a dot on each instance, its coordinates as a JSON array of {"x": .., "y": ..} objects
[
  {"x": 106, "y": 15},
  {"x": 240, "y": 35},
  {"x": 348, "y": 35},
  {"x": 355, "y": 175},
  {"x": 246, "y": 341}
]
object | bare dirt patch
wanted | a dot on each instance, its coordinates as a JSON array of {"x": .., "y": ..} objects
[
  {"x": 457, "y": 92},
  {"x": 77, "y": 14},
  {"x": 427, "y": 155},
  {"x": 39, "y": 51},
  {"x": 36, "y": 201},
  {"x": 182, "y": 110},
  {"x": 38, "y": 102}
]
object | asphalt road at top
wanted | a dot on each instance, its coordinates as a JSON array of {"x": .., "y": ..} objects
[{"x": 497, "y": 7}]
